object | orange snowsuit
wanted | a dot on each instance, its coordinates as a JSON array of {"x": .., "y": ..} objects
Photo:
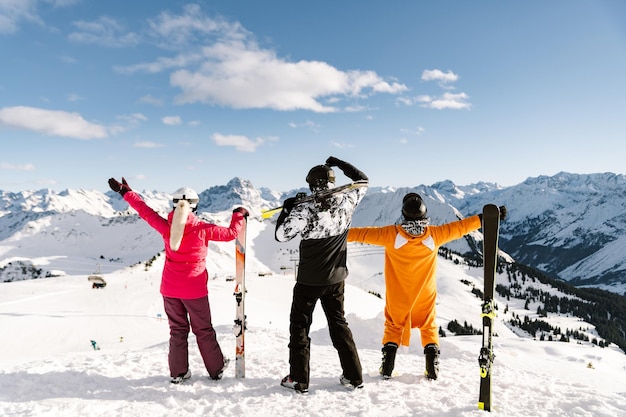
[{"x": 410, "y": 281}]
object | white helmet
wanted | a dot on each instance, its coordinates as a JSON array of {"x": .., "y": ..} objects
[{"x": 188, "y": 194}]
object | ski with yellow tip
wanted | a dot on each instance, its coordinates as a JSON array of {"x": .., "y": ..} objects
[{"x": 491, "y": 226}]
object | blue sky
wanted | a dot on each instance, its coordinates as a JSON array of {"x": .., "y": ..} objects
[{"x": 175, "y": 93}]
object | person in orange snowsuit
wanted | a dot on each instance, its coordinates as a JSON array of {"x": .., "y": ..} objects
[{"x": 411, "y": 248}]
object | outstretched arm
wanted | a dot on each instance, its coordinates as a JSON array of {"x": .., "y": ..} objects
[{"x": 151, "y": 217}]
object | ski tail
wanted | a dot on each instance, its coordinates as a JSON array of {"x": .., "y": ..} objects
[
  {"x": 491, "y": 226},
  {"x": 266, "y": 214},
  {"x": 240, "y": 296}
]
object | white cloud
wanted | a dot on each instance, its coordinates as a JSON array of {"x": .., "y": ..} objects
[
  {"x": 147, "y": 145},
  {"x": 308, "y": 124},
  {"x": 161, "y": 64},
  {"x": 14, "y": 167},
  {"x": 416, "y": 132},
  {"x": 149, "y": 99},
  {"x": 127, "y": 122},
  {"x": 51, "y": 122},
  {"x": 73, "y": 97},
  {"x": 62, "y": 3},
  {"x": 438, "y": 75},
  {"x": 68, "y": 59},
  {"x": 239, "y": 142},
  {"x": 454, "y": 101},
  {"x": 241, "y": 75},
  {"x": 449, "y": 101},
  {"x": 173, "y": 31},
  {"x": 232, "y": 70},
  {"x": 341, "y": 145},
  {"x": 104, "y": 31},
  {"x": 13, "y": 12},
  {"x": 172, "y": 120}
]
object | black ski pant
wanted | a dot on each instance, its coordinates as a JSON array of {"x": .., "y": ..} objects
[{"x": 304, "y": 300}]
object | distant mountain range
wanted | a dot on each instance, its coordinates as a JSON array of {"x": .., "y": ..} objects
[{"x": 571, "y": 227}]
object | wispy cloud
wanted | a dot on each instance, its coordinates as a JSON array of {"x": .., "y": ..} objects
[
  {"x": 14, "y": 12},
  {"x": 231, "y": 69},
  {"x": 51, "y": 122},
  {"x": 453, "y": 101},
  {"x": 126, "y": 122},
  {"x": 415, "y": 132},
  {"x": 147, "y": 145},
  {"x": 62, "y": 3},
  {"x": 104, "y": 31},
  {"x": 172, "y": 31},
  {"x": 13, "y": 167},
  {"x": 341, "y": 145},
  {"x": 68, "y": 59},
  {"x": 172, "y": 120},
  {"x": 73, "y": 97},
  {"x": 308, "y": 124},
  {"x": 239, "y": 142},
  {"x": 149, "y": 99}
]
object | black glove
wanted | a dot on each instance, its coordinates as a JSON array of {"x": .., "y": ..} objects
[
  {"x": 502, "y": 212},
  {"x": 242, "y": 211},
  {"x": 348, "y": 169},
  {"x": 118, "y": 187},
  {"x": 289, "y": 203},
  {"x": 333, "y": 162}
]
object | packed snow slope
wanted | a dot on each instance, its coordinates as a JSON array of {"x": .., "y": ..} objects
[{"x": 48, "y": 366}]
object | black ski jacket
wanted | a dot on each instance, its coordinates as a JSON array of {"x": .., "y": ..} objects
[{"x": 323, "y": 227}]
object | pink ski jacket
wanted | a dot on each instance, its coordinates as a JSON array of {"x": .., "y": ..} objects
[{"x": 184, "y": 273}]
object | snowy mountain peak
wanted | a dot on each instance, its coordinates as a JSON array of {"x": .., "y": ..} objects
[{"x": 571, "y": 226}]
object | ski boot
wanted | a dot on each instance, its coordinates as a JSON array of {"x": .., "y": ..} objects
[
  {"x": 298, "y": 387},
  {"x": 220, "y": 374},
  {"x": 389, "y": 359},
  {"x": 431, "y": 351},
  {"x": 180, "y": 378},
  {"x": 350, "y": 384}
]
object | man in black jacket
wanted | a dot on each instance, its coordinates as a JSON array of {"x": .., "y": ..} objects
[{"x": 323, "y": 226}]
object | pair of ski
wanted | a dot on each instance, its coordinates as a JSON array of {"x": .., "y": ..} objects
[
  {"x": 491, "y": 227},
  {"x": 318, "y": 196},
  {"x": 239, "y": 328}
]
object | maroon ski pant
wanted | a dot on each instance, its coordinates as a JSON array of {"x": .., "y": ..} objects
[{"x": 196, "y": 313}]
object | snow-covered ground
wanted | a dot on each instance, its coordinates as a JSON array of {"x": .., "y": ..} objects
[{"x": 49, "y": 368}]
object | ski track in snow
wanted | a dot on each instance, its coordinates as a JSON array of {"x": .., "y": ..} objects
[{"x": 48, "y": 367}]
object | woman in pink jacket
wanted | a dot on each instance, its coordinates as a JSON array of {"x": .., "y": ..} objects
[{"x": 184, "y": 279}]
